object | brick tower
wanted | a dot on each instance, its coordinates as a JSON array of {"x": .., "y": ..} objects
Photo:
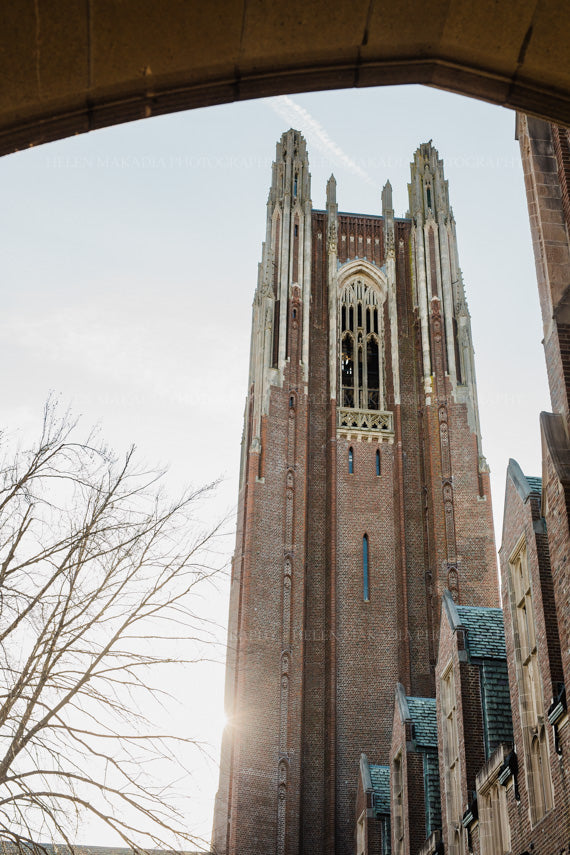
[{"x": 364, "y": 495}]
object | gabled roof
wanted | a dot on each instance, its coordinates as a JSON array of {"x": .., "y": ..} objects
[
  {"x": 424, "y": 718},
  {"x": 380, "y": 777},
  {"x": 485, "y": 631}
]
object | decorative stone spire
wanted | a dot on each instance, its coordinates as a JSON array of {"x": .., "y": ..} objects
[
  {"x": 332, "y": 211},
  {"x": 390, "y": 243},
  {"x": 285, "y": 266},
  {"x": 388, "y": 214},
  {"x": 429, "y": 192},
  {"x": 439, "y": 285},
  {"x": 332, "y": 247},
  {"x": 387, "y": 198}
]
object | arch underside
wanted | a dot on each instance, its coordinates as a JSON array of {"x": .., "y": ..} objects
[{"x": 73, "y": 67}]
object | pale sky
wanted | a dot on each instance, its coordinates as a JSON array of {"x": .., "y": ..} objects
[{"x": 130, "y": 262}]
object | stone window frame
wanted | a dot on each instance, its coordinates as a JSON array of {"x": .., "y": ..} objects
[
  {"x": 398, "y": 793},
  {"x": 361, "y": 834},
  {"x": 451, "y": 760},
  {"x": 360, "y": 292},
  {"x": 531, "y": 699},
  {"x": 494, "y": 826}
]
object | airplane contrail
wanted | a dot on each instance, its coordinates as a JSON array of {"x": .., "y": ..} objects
[{"x": 316, "y": 134}]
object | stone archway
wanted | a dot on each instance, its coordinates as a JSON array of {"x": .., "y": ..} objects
[{"x": 75, "y": 66}]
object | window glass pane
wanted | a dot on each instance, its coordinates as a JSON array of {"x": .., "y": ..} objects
[{"x": 365, "y": 566}]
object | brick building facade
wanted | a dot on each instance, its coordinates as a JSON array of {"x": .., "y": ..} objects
[
  {"x": 503, "y": 732},
  {"x": 364, "y": 497}
]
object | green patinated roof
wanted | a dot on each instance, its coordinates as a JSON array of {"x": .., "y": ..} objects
[
  {"x": 535, "y": 484},
  {"x": 485, "y": 631},
  {"x": 380, "y": 776},
  {"x": 423, "y": 715}
]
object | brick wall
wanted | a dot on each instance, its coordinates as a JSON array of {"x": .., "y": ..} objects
[
  {"x": 523, "y": 519},
  {"x": 311, "y": 665}
]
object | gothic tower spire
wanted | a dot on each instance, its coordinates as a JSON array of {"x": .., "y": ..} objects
[{"x": 363, "y": 497}]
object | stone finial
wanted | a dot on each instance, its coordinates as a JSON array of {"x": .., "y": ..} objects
[
  {"x": 331, "y": 193},
  {"x": 386, "y": 198}
]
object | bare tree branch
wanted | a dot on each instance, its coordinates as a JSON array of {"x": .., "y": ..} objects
[{"x": 98, "y": 570}]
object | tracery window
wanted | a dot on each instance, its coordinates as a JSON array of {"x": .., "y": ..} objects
[
  {"x": 530, "y": 687},
  {"x": 451, "y": 761},
  {"x": 494, "y": 831},
  {"x": 398, "y": 805},
  {"x": 362, "y": 371}
]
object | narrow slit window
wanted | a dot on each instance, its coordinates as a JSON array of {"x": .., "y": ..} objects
[
  {"x": 350, "y": 461},
  {"x": 296, "y": 230},
  {"x": 429, "y": 197},
  {"x": 365, "y": 582},
  {"x": 295, "y": 185},
  {"x": 378, "y": 468}
]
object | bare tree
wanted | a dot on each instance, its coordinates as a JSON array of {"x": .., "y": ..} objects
[{"x": 97, "y": 571}]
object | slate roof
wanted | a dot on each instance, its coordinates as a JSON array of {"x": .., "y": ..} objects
[
  {"x": 485, "y": 631},
  {"x": 496, "y": 698},
  {"x": 486, "y": 641},
  {"x": 423, "y": 715},
  {"x": 535, "y": 484},
  {"x": 432, "y": 796},
  {"x": 380, "y": 777}
]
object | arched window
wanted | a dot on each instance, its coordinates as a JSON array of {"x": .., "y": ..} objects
[
  {"x": 347, "y": 371},
  {"x": 372, "y": 374},
  {"x": 350, "y": 461},
  {"x": 365, "y": 583},
  {"x": 378, "y": 469},
  {"x": 361, "y": 347}
]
